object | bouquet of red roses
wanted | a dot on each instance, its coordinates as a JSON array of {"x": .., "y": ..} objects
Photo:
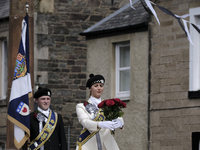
[{"x": 112, "y": 108}]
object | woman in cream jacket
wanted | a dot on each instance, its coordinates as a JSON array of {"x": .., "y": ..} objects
[{"x": 96, "y": 132}]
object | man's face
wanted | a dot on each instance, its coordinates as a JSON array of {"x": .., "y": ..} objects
[{"x": 43, "y": 102}]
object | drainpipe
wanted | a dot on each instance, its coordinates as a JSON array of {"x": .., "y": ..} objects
[
  {"x": 149, "y": 82},
  {"x": 68, "y": 135}
]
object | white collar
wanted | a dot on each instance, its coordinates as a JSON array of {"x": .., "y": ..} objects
[
  {"x": 95, "y": 101},
  {"x": 45, "y": 112}
]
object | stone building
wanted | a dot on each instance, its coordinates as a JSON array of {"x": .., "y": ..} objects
[
  {"x": 174, "y": 86},
  {"x": 163, "y": 100},
  {"x": 164, "y": 75},
  {"x": 60, "y": 54},
  {"x": 118, "y": 48}
]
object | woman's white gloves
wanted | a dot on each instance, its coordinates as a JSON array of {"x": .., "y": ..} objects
[
  {"x": 107, "y": 124},
  {"x": 114, "y": 124},
  {"x": 118, "y": 123}
]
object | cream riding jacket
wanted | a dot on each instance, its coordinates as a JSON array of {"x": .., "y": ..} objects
[{"x": 107, "y": 140}]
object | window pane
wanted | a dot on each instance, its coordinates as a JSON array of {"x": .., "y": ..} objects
[
  {"x": 124, "y": 80},
  {"x": 4, "y": 70},
  {"x": 194, "y": 75},
  {"x": 125, "y": 56},
  {"x": 5, "y": 67}
]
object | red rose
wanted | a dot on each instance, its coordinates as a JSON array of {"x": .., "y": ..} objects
[
  {"x": 85, "y": 103},
  {"x": 101, "y": 105},
  {"x": 35, "y": 114},
  {"x": 123, "y": 105},
  {"x": 119, "y": 102},
  {"x": 110, "y": 102}
]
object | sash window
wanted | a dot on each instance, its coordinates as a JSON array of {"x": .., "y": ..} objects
[
  {"x": 123, "y": 70},
  {"x": 3, "y": 68},
  {"x": 194, "y": 76}
]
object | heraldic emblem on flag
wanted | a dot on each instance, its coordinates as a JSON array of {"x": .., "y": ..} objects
[{"x": 21, "y": 91}]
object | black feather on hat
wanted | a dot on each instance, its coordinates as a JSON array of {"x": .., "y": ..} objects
[
  {"x": 42, "y": 92},
  {"x": 94, "y": 79}
]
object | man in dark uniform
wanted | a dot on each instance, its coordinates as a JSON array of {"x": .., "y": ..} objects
[{"x": 46, "y": 127}]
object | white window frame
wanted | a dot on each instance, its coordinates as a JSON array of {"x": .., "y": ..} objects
[
  {"x": 194, "y": 76},
  {"x": 125, "y": 94},
  {"x": 4, "y": 75}
]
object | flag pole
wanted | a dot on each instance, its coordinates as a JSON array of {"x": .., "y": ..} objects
[
  {"x": 15, "y": 24},
  {"x": 25, "y": 146}
]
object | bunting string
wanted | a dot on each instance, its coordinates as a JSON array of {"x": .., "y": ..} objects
[
  {"x": 147, "y": 4},
  {"x": 131, "y": 4}
]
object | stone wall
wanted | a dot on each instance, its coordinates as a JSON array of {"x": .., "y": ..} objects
[
  {"x": 173, "y": 117},
  {"x": 61, "y": 53}
]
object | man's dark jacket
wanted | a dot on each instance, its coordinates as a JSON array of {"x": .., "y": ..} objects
[{"x": 57, "y": 140}]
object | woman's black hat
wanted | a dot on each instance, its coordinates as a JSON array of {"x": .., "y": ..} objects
[
  {"x": 94, "y": 79},
  {"x": 42, "y": 92}
]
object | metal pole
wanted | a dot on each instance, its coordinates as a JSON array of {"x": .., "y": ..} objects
[{"x": 68, "y": 136}]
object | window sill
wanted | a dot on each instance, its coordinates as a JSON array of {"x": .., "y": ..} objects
[
  {"x": 124, "y": 98},
  {"x": 194, "y": 94}
]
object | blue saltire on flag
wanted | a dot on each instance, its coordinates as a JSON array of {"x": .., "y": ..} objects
[{"x": 21, "y": 90}]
